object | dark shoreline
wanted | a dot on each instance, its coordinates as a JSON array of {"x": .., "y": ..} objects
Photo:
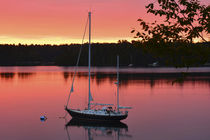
[
  {"x": 111, "y": 71},
  {"x": 134, "y": 54}
]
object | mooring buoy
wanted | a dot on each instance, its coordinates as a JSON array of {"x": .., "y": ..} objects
[{"x": 43, "y": 118}]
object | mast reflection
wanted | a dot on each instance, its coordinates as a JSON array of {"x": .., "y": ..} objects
[{"x": 100, "y": 130}]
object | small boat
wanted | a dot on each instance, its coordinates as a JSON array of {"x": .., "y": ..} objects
[
  {"x": 106, "y": 113},
  {"x": 155, "y": 64}
]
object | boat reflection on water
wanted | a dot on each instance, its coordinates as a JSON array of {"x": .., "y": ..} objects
[{"x": 100, "y": 130}]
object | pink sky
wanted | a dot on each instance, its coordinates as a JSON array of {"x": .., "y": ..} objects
[{"x": 63, "y": 21}]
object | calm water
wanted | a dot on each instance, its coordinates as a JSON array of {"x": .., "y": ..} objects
[{"x": 162, "y": 109}]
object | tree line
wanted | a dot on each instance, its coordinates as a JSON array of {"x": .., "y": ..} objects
[{"x": 135, "y": 53}]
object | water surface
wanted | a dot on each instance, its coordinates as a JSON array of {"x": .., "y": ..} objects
[{"x": 163, "y": 107}]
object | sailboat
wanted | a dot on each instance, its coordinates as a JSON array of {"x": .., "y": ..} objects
[{"x": 107, "y": 113}]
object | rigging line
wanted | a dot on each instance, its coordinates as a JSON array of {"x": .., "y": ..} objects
[{"x": 75, "y": 69}]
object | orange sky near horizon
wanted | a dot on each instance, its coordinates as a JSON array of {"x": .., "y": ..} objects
[{"x": 63, "y": 21}]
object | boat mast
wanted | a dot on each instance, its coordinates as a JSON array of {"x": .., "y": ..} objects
[
  {"x": 89, "y": 59},
  {"x": 118, "y": 84}
]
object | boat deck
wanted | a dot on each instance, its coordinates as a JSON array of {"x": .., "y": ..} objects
[{"x": 99, "y": 112}]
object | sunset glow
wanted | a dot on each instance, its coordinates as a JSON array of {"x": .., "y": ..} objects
[{"x": 63, "y": 21}]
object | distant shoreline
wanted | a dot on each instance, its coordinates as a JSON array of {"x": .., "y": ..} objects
[
  {"x": 135, "y": 54},
  {"x": 108, "y": 70}
]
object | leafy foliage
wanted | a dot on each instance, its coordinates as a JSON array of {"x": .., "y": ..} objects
[{"x": 184, "y": 21}]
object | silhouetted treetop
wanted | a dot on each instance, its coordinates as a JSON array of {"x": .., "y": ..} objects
[{"x": 185, "y": 20}]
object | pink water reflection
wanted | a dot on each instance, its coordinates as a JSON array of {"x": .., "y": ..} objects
[{"x": 160, "y": 110}]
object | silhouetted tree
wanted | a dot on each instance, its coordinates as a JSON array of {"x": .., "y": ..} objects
[
  {"x": 172, "y": 40},
  {"x": 184, "y": 21}
]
